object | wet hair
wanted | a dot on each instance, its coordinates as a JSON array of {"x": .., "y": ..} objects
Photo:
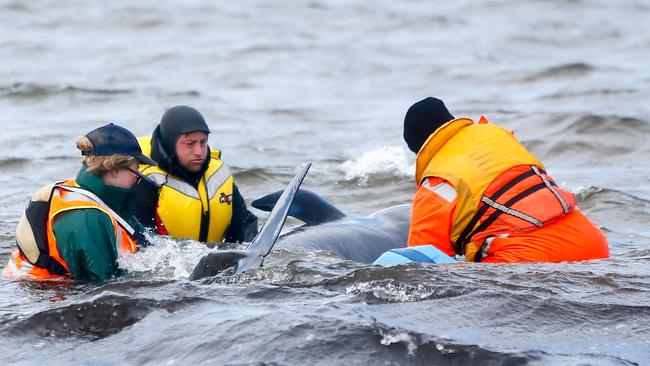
[{"x": 100, "y": 165}]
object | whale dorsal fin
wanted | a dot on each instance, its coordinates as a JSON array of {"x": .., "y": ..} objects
[{"x": 307, "y": 207}]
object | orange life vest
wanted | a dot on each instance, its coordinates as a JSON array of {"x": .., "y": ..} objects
[
  {"x": 38, "y": 255},
  {"x": 502, "y": 188}
]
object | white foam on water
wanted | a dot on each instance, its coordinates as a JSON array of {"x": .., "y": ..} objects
[
  {"x": 386, "y": 161},
  {"x": 166, "y": 257},
  {"x": 585, "y": 190},
  {"x": 392, "y": 291},
  {"x": 400, "y": 337}
]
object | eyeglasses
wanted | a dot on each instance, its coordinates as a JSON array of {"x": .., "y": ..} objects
[{"x": 138, "y": 176}]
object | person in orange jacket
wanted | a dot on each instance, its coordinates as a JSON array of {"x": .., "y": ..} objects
[{"x": 481, "y": 194}]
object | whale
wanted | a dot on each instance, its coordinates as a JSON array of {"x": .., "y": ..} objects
[{"x": 326, "y": 228}]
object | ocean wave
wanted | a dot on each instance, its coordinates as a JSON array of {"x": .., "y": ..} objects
[
  {"x": 165, "y": 258},
  {"x": 185, "y": 93},
  {"x": 405, "y": 283},
  {"x": 381, "y": 163},
  {"x": 253, "y": 174},
  {"x": 583, "y": 150},
  {"x": 413, "y": 348},
  {"x": 16, "y": 6},
  {"x": 571, "y": 70},
  {"x": 100, "y": 317},
  {"x": 263, "y": 177},
  {"x": 589, "y": 93},
  {"x": 302, "y": 114},
  {"x": 632, "y": 212},
  {"x": 598, "y": 198},
  {"x": 13, "y": 163},
  {"x": 317, "y": 339},
  {"x": 394, "y": 291},
  {"x": 32, "y": 90},
  {"x": 614, "y": 127},
  {"x": 593, "y": 138}
]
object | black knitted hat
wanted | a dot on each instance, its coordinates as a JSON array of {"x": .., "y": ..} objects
[{"x": 422, "y": 119}]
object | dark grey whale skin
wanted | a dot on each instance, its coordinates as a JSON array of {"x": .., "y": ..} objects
[{"x": 360, "y": 239}]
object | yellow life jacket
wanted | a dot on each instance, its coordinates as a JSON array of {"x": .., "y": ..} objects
[
  {"x": 203, "y": 213},
  {"x": 38, "y": 255},
  {"x": 475, "y": 158}
]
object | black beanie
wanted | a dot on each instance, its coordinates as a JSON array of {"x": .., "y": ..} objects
[{"x": 422, "y": 119}]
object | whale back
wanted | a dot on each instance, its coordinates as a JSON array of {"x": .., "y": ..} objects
[{"x": 360, "y": 239}]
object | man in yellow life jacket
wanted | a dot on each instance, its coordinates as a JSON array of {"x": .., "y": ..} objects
[
  {"x": 191, "y": 193},
  {"x": 482, "y": 194}
]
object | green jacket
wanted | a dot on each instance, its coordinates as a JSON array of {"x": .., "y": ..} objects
[{"x": 86, "y": 237}]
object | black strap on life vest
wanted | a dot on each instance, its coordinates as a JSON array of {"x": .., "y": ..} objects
[
  {"x": 491, "y": 202},
  {"x": 204, "y": 228},
  {"x": 37, "y": 213},
  {"x": 51, "y": 264}
]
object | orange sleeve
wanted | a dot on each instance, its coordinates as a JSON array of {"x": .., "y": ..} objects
[{"x": 432, "y": 216}]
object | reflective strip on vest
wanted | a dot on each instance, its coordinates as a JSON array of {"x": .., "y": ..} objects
[
  {"x": 565, "y": 207},
  {"x": 485, "y": 247},
  {"x": 157, "y": 178},
  {"x": 442, "y": 189},
  {"x": 214, "y": 182},
  {"x": 217, "y": 180},
  {"x": 87, "y": 195},
  {"x": 512, "y": 212},
  {"x": 181, "y": 186}
]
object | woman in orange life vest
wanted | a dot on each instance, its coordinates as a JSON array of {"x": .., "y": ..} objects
[
  {"x": 482, "y": 194},
  {"x": 77, "y": 227}
]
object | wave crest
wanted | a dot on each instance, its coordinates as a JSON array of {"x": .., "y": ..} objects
[
  {"x": 166, "y": 258},
  {"x": 32, "y": 90},
  {"x": 383, "y": 162},
  {"x": 575, "y": 69}
]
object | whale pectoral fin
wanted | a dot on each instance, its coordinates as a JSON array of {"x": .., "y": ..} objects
[
  {"x": 307, "y": 207},
  {"x": 417, "y": 254},
  {"x": 216, "y": 262}
]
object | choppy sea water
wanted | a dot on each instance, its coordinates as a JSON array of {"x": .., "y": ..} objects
[{"x": 281, "y": 83}]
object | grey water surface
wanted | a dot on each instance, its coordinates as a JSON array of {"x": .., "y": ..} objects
[{"x": 328, "y": 81}]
